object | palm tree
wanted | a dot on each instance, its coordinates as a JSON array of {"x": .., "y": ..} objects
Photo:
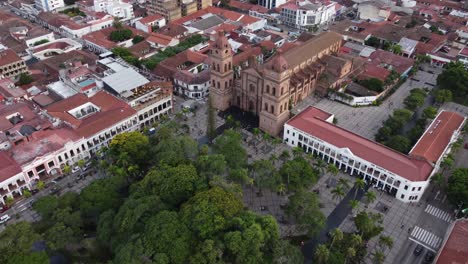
[
  {"x": 354, "y": 204},
  {"x": 337, "y": 235},
  {"x": 385, "y": 242},
  {"x": 281, "y": 189},
  {"x": 350, "y": 253},
  {"x": 297, "y": 151},
  {"x": 320, "y": 164},
  {"x": 256, "y": 132},
  {"x": 379, "y": 257},
  {"x": 276, "y": 142},
  {"x": 321, "y": 254},
  {"x": 360, "y": 184},
  {"x": 338, "y": 193},
  {"x": 370, "y": 197},
  {"x": 81, "y": 163},
  {"x": 285, "y": 155},
  {"x": 66, "y": 169},
  {"x": 356, "y": 240},
  {"x": 332, "y": 169},
  {"x": 273, "y": 158},
  {"x": 344, "y": 182}
]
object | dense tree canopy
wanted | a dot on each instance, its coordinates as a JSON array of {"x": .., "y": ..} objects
[
  {"x": 454, "y": 78},
  {"x": 457, "y": 191},
  {"x": 304, "y": 207}
]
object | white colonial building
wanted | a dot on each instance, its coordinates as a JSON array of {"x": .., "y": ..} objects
[
  {"x": 304, "y": 14},
  {"x": 49, "y": 5},
  {"x": 404, "y": 176}
]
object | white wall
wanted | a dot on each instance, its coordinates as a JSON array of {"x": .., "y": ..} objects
[{"x": 50, "y": 37}]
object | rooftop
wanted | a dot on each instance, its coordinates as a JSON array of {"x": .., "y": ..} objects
[
  {"x": 454, "y": 250},
  {"x": 405, "y": 166},
  {"x": 125, "y": 80},
  {"x": 437, "y": 136},
  {"x": 111, "y": 111},
  {"x": 8, "y": 56},
  {"x": 8, "y": 166}
]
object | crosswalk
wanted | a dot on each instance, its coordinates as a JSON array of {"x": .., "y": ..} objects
[
  {"x": 432, "y": 210},
  {"x": 425, "y": 237}
]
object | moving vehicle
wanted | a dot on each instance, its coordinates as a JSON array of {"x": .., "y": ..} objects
[
  {"x": 418, "y": 250},
  {"x": 4, "y": 219},
  {"x": 429, "y": 257}
]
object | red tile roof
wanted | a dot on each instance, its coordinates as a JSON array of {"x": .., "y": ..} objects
[
  {"x": 112, "y": 111},
  {"x": 159, "y": 39},
  {"x": 455, "y": 249},
  {"x": 437, "y": 137},
  {"x": 8, "y": 166},
  {"x": 150, "y": 19},
  {"x": 405, "y": 166},
  {"x": 8, "y": 56}
]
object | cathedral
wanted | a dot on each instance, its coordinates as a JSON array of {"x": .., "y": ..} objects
[{"x": 271, "y": 89}]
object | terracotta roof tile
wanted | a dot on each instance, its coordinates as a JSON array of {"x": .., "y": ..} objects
[
  {"x": 389, "y": 159},
  {"x": 455, "y": 249},
  {"x": 439, "y": 134},
  {"x": 8, "y": 166},
  {"x": 8, "y": 56}
]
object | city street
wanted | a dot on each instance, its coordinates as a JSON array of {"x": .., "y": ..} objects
[
  {"x": 23, "y": 209},
  {"x": 367, "y": 120}
]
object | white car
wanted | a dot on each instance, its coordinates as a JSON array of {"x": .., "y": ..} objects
[
  {"x": 4, "y": 219},
  {"x": 75, "y": 169}
]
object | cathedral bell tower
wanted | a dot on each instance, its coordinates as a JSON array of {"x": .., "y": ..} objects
[
  {"x": 275, "y": 97},
  {"x": 222, "y": 75}
]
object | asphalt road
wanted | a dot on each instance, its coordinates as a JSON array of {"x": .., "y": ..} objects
[
  {"x": 334, "y": 220},
  {"x": 23, "y": 207}
]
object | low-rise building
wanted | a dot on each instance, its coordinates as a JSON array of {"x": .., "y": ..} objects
[
  {"x": 454, "y": 249},
  {"x": 305, "y": 14},
  {"x": 49, "y": 5},
  {"x": 53, "y": 48},
  {"x": 115, "y": 8},
  {"x": 404, "y": 176},
  {"x": 147, "y": 24},
  {"x": 11, "y": 65}
]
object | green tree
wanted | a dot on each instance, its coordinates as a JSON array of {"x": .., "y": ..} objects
[
  {"x": 350, "y": 253},
  {"x": 25, "y": 78},
  {"x": 457, "y": 188},
  {"x": 46, "y": 206},
  {"x": 137, "y": 39},
  {"x": 359, "y": 184},
  {"x": 337, "y": 236},
  {"x": 370, "y": 197},
  {"x": 262, "y": 172},
  {"x": 210, "y": 165},
  {"x": 344, "y": 182},
  {"x": 332, "y": 169},
  {"x": 166, "y": 234},
  {"x": 304, "y": 207},
  {"x": 40, "y": 185},
  {"x": 229, "y": 144},
  {"x": 438, "y": 179},
  {"x": 354, "y": 204},
  {"x": 448, "y": 162},
  {"x": 209, "y": 212},
  {"x": 454, "y": 78},
  {"x": 285, "y": 253},
  {"x": 16, "y": 242},
  {"x": 285, "y": 155},
  {"x": 373, "y": 84},
  {"x": 66, "y": 170},
  {"x": 174, "y": 185},
  {"x": 368, "y": 224},
  {"x": 297, "y": 173},
  {"x": 356, "y": 240},
  {"x": 399, "y": 143},
  {"x": 430, "y": 112},
  {"x": 385, "y": 242},
  {"x": 120, "y": 35},
  {"x": 322, "y": 254},
  {"x": 415, "y": 99},
  {"x": 27, "y": 193},
  {"x": 443, "y": 95},
  {"x": 338, "y": 193},
  {"x": 378, "y": 257},
  {"x": 130, "y": 148}
]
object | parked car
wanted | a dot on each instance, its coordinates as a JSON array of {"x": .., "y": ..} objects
[
  {"x": 55, "y": 190},
  {"x": 4, "y": 219},
  {"x": 429, "y": 257},
  {"x": 75, "y": 169},
  {"x": 59, "y": 178},
  {"x": 34, "y": 191},
  {"x": 418, "y": 250},
  {"x": 4, "y": 208}
]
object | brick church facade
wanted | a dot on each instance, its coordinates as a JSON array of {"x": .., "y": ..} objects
[{"x": 271, "y": 89}]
